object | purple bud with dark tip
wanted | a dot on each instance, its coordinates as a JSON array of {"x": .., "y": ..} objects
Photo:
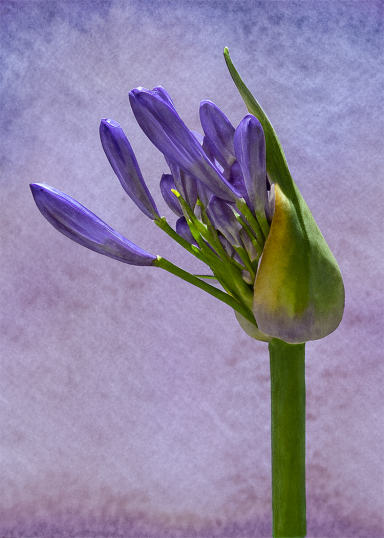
[
  {"x": 79, "y": 224},
  {"x": 123, "y": 161}
]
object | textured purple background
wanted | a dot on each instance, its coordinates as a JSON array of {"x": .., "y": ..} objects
[{"x": 131, "y": 403}]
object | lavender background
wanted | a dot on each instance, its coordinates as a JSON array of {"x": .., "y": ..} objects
[{"x": 131, "y": 403}]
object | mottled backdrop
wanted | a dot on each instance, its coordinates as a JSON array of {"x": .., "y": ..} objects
[{"x": 132, "y": 404}]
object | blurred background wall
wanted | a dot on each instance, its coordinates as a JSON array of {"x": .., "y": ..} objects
[{"x": 131, "y": 403}]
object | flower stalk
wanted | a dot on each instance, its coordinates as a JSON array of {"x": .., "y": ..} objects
[{"x": 288, "y": 438}]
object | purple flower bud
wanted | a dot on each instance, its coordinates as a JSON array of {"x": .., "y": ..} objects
[
  {"x": 199, "y": 137},
  {"x": 224, "y": 220},
  {"x": 123, "y": 161},
  {"x": 79, "y": 224},
  {"x": 220, "y": 132},
  {"x": 170, "y": 135},
  {"x": 166, "y": 185},
  {"x": 235, "y": 178},
  {"x": 250, "y": 153},
  {"x": 204, "y": 193},
  {"x": 185, "y": 184},
  {"x": 164, "y": 95},
  {"x": 209, "y": 149},
  {"x": 183, "y": 230}
]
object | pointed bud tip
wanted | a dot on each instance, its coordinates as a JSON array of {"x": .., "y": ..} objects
[
  {"x": 38, "y": 188},
  {"x": 109, "y": 122},
  {"x": 136, "y": 91}
]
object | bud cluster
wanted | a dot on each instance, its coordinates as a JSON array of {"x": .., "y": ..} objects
[{"x": 217, "y": 187}]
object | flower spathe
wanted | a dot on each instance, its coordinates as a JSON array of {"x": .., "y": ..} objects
[{"x": 238, "y": 210}]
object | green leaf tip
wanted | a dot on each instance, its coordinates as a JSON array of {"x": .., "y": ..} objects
[{"x": 299, "y": 292}]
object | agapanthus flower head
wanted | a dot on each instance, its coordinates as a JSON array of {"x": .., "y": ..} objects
[{"x": 238, "y": 211}]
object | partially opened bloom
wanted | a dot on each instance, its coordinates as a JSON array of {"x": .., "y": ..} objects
[{"x": 238, "y": 211}]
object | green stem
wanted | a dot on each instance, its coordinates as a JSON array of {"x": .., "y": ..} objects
[
  {"x": 252, "y": 221},
  {"x": 192, "y": 279},
  {"x": 163, "y": 225},
  {"x": 288, "y": 438}
]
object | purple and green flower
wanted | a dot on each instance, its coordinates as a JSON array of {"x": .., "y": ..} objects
[{"x": 239, "y": 211}]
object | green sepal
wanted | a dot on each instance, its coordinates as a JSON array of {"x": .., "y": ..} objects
[{"x": 299, "y": 291}]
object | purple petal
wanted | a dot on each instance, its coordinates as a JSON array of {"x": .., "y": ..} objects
[
  {"x": 250, "y": 153},
  {"x": 213, "y": 155},
  {"x": 185, "y": 184},
  {"x": 170, "y": 135},
  {"x": 183, "y": 230},
  {"x": 227, "y": 245},
  {"x": 199, "y": 137},
  {"x": 166, "y": 185},
  {"x": 229, "y": 249},
  {"x": 209, "y": 148},
  {"x": 204, "y": 193},
  {"x": 123, "y": 161},
  {"x": 236, "y": 179},
  {"x": 224, "y": 220},
  {"x": 164, "y": 95},
  {"x": 79, "y": 224},
  {"x": 219, "y": 130}
]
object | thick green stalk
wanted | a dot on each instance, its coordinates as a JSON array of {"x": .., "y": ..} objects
[{"x": 288, "y": 438}]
